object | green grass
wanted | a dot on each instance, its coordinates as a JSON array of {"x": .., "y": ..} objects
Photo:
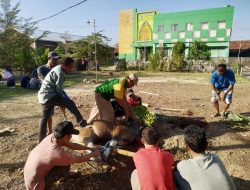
[{"x": 7, "y": 92}]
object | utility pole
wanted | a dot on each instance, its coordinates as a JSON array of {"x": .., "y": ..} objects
[
  {"x": 96, "y": 62},
  {"x": 239, "y": 57}
]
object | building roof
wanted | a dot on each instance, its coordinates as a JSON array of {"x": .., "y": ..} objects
[
  {"x": 55, "y": 36},
  {"x": 243, "y": 44}
]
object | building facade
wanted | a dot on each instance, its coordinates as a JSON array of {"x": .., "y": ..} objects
[{"x": 143, "y": 33}]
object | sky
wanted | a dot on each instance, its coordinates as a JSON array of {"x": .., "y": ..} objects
[{"x": 105, "y": 13}]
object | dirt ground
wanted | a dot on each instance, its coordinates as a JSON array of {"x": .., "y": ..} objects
[{"x": 191, "y": 96}]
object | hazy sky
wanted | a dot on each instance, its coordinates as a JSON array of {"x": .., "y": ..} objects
[{"x": 105, "y": 12}]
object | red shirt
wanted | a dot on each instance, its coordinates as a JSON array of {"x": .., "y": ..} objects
[{"x": 154, "y": 168}]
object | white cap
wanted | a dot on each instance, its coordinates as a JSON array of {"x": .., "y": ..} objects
[{"x": 134, "y": 78}]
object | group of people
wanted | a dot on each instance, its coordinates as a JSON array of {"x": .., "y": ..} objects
[{"x": 154, "y": 167}]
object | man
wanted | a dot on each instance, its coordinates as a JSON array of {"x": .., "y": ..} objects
[
  {"x": 222, "y": 81},
  {"x": 204, "y": 170},
  {"x": 51, "y": 94},
  {"x": 48, "y": 161},
  {"x": 42, "y": 71},
  {"x": 153, "y": 165},
  {"x": 115, "y": 88}
]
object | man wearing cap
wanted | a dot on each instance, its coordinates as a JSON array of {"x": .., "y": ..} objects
[
  {"x": 113, "y": 89},
  {"x": 49, "y": 161},
  {"x": 51, "y": 94},
  {"x": 42, "y": 71}
]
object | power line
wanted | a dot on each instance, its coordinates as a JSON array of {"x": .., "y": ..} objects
[{"x": 60, "y": 12}]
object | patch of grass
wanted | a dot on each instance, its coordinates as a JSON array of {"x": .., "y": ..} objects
[{"x": 7, "y": 92}]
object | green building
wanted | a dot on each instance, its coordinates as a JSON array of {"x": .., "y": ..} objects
[{"x": 142, "y": 33}]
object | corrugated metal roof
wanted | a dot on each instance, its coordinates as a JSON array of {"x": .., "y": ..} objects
[{"x": 55, "y": 36}]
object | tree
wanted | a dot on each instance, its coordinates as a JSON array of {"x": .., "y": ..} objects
[
  {"x": 199, "y": 51},
  {"x": 15, "y": 42},
  {"x": 179, "y": 55},
  {"x": 154, "y": 62},
  {"x": 86, "y": 48}
]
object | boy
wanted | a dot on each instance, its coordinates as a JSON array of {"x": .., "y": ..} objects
[
  {"x": 153, "y": 165},
  {"x": 204, "y": 170}
]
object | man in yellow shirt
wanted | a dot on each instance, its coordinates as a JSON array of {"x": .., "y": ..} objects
[{"x": 115, "y": 88}]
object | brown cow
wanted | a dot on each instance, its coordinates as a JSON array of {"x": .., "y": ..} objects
[{"x": 102, "y": 131}]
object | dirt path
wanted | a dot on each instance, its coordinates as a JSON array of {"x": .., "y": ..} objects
[{"x": 191, "y": 95}]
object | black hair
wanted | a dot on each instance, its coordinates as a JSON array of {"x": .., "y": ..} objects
[
  {"x": 58, "y": 135},
  {"x": 61, "y": 129},
  {"x": 222, "y": 65},
  {"x": 195, "y": 138},
  {"x": 67, "y": 61},
  {"x": 150, "y": 135}
]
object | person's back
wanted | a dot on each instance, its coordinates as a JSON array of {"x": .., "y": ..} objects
[
  {"x": 206, "y": 172},
  {"x": 25, "y": 81},
  {"x": 154, "y": 168},
  {"x": 153, "y": 165},
  {"x": 52, "y": 84},
  {"x": 34, "y": 84},
  {"x": 203, "y": 171}
]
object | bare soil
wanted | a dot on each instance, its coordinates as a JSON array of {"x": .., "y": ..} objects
[{"x": 192, "y": 97}]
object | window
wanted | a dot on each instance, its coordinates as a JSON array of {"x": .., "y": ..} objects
[
  {"x": 220, "y": 39},
  {"x": 168, "y": 35},
  {"x": 221, "y": 24},
  {"x": 182, "y": 35},
  {"x": 212, "y": 33},
  {"x": 204, "y": 25},
  {"x": 189, "y": 26},
  {"x": 228, "y": 32},
  {"x": 155, "y": 36},
  {"x": 174, "y": 27},
  {"x": 160, "y": 28},
  {"x": 196, "y": 34}
]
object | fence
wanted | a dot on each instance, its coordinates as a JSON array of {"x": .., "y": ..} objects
[{"x": 239, "y": 65}]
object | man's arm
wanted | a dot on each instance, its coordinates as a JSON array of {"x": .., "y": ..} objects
[
  {"x": 124, "y": 104},
  {"x": 231, "y": 86},
  {"x": 76, "y": 146},
  {"x": 59, "y": 83},
  {"x": 215, "y": 91},
  {"x": 84, "y": 158}
]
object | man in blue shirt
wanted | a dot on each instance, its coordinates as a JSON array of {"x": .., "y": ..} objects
[{"x": 222, "y": 80}]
